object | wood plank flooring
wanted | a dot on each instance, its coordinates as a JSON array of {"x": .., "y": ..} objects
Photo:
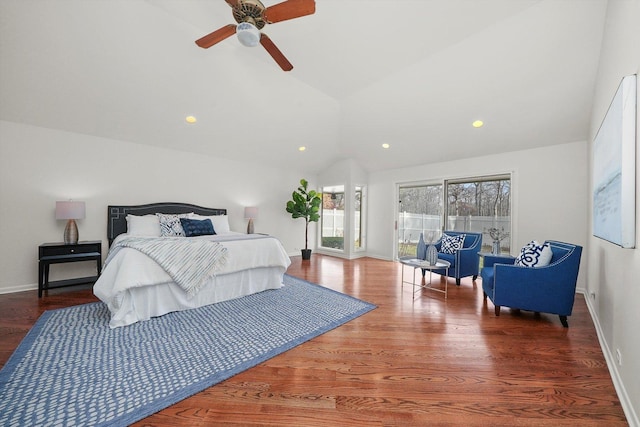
[{"x": 407, "y": 363}]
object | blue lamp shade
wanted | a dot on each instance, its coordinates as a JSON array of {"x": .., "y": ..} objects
[
  {"x": 250, "y": 213},
  {"x": 70, "y": 211}
]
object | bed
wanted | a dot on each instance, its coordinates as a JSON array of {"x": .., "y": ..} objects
[{"x": 136, "y": 287}]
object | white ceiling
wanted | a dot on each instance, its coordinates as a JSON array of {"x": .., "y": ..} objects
[{"x": 411, "y": 73}]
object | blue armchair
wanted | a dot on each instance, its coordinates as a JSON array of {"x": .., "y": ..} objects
[
  {"x": 549, "y": 289},
  {"x": 465, "y": 261}
]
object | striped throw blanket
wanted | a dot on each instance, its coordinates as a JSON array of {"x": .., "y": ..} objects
[{"x": 188, "y": 262}]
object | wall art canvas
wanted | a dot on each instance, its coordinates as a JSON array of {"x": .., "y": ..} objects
[{"x": 614, "y": 174}]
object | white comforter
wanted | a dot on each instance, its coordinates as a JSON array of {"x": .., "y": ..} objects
[{"x": 129, "y": 270}]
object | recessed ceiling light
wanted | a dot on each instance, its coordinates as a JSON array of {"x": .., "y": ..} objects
[
  {"x": 302, "y": 148},
  {"x": 385, "y": 145},
  {"x": 478, "y": 124},
  {"x": 191, "y": 119}
]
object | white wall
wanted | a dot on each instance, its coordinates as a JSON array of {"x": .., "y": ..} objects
[
  {"x": 39, "y": 166},
  {"x": 549, "y": 190},
  {"x": 613, "y": 272}
]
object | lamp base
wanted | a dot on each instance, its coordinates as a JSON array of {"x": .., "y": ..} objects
[
  {"x": 250, "y": 226},
  {"x": 71, "y": 233}
]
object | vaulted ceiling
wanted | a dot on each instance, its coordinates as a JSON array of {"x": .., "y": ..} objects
[{"x": 411, "y": 73}]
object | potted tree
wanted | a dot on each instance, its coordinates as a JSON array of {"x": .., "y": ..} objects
[{"x": 305, "y": 204}]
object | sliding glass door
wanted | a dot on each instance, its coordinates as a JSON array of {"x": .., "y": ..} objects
[
  {"x": 419, "y": 211},
  {"x": 477, "y": 204}
]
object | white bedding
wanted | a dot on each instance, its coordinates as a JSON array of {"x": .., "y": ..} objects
[{"x": 136, "y": 288}]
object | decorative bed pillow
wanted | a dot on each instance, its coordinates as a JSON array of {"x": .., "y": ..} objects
[
  {"x": 143, "y": 225},
  {"x": 196, "y": 227},
  {"x": 170, "y": 225},
  {"x": 220, "y": 222},
  {"x": 450, "y": 244},
  {"x": 534, "y": 254}
]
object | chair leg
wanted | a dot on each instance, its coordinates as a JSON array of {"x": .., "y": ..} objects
[
  {"x": 497, "y": 310},
  {"x": 457, "y": 281},
  {"x": 485, "y": 296},
  {"x": 475, "y": 276},
  {"x": 563, "y": 320}
]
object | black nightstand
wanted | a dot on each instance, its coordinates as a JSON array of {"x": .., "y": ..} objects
[{"x": 57, "y": 253}]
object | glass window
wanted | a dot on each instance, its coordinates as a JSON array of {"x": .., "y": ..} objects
[
  {"x": 332, "y": 234},
  {"x": 481, "y": 205},
  {"x": 358, "y": 242}
]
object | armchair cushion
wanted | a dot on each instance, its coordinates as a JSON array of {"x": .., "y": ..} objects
[
  {"x": 450, "y": 244},
  {"x": 534, "y": 254}
]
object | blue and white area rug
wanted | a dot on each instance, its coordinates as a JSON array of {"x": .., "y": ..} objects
[{"x": 73, "y": 370}]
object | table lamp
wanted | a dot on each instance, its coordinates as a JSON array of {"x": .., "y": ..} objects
[
  {"x": 70, "y": 211},
  {"x": 250, "y": 213}
]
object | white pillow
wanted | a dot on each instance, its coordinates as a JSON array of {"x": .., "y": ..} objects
[
  {"x": 534, "y": 254},
  {"x": 145, "y": 225},
  {"x": 220, "y": 222}
]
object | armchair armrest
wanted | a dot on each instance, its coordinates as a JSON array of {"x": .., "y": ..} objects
[
  {"x": 549, "y": 289},
  {"x": 467, "y": 261},
  {"x": 468, "y": 255},
  {"x": 491, "y": 259}
]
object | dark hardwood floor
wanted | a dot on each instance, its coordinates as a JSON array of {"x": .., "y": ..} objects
[{"x": 422, "y": 362}]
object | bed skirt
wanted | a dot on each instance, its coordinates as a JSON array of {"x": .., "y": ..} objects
[{"x": 142, "y": 303}]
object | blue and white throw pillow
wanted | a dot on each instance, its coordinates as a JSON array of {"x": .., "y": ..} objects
[
  {"x": 450, "y": 244},
  {"x": 170, "y": 225},
  {"x": 534, "y": 254}
]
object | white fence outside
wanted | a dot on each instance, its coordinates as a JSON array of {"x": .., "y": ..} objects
[
  {"x": 333, "y": 223},
  {"x": 411, "y": 225}
]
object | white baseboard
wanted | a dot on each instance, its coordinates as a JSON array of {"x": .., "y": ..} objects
[
  {"x": 625, "y": 402},
  {"x": 337, "y": 254},
  {"x": 21, "y": 288},
  {"x": 380, "y": 257}
]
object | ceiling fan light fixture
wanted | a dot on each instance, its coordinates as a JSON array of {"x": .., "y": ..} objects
[{"x": 248, "y": 34}]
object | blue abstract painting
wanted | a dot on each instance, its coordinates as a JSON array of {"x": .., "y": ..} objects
[{"x": 614, "y": 169}]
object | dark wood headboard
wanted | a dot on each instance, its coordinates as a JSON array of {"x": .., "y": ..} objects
[{"x": 117, "y": 215}]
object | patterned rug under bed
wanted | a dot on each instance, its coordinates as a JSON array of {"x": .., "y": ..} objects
[{"x": 73, "y": 370}]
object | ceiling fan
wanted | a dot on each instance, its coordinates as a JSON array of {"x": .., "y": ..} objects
[{"x": 252, "y": 16}]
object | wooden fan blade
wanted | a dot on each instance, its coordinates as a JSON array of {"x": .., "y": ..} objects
[
  {"x": 217, "y": 36},
  {"x": 232, "y": 3},
  {"x": 288, "y": 10},
  {"x": 275, "y": 53}
]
